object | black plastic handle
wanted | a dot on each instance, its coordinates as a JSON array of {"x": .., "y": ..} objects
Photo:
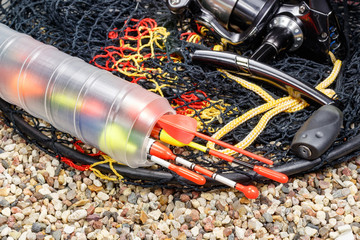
[
  {"x": 261, "y": 71},
  {"x": 318, "y": 133}
]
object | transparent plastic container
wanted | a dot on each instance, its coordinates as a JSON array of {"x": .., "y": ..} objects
[{"x": 97, "y": 107}]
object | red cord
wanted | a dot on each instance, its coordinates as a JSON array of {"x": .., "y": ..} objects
[{"x": 73, "y": 165}]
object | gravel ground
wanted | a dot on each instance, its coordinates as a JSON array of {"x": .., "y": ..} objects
[{"x": 38, "y": 200}]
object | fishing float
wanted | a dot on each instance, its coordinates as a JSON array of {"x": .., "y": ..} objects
[
  {"x": 162, "y": 135},
  {"x": 181, "y": 171},
  {"x": 157, "y": 149}
]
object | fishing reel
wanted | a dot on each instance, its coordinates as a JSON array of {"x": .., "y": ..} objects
[{"x": 309, "y": 28}]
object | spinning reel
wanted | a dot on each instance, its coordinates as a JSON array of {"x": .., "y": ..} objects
[{"x": 309, "y": 28}]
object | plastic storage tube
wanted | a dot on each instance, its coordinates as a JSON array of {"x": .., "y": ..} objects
[{"x": 97, "y": 107}]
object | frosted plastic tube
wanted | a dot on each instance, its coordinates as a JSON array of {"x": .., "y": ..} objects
[{"x": 97, "y": 107}]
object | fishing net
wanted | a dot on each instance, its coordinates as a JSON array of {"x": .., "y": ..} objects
[{"x": 142, "y": 42}]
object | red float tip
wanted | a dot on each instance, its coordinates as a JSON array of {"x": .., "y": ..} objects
[
  {"x": 250, "y": 192},
  {"x": 161, "y": 151},
  {"x": 183, "y": 129},
  {"x": 271, "y": 174}
]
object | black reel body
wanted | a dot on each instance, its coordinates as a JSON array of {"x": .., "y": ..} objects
[{"x": 309, "y": 28}]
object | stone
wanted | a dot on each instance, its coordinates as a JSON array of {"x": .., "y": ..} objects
[
  {"x": 38, "y": 227},
  {"x": 90, "y": 210},
  {"x": 77, "y": 215},
  {"x": 155, "y": 215},
  {"x": 10, "y": 147},
  {"x": 344, "y": 228},
  {"x": 31, "y": 236},
  {"x": 132, "y": 198},
  {"x": 348, "y": 219},
  {"x": 109, "y": 185},
  {"x": 48, "y": 228},
  {"x": 310, "y": 231},
  {"x": 14, "y": 235},
  {"x": 126, "y": 192},
  {"x": 162, "y": 226},
  {"x": 324, "y": 231},
  {"x": 40, "y": 178},
  {"x": 51, "y": 218},
  {"x": 174, "y": 233},
  {"x": 19, "y": 216},
  {"x": 5, "y": 231},
  {"x": 5, "y": 164},
  {"x": 87, "y": 181},
  {"x": 163, "y": 200},
  {"x": 97, "y": 183},
  {"x": 207, "y": 196},
  {"x": 348, "y": 235},
  {"x": 6, "y": 212},
  {"x": 285, "y": 189},
  {"x": 268, "y": 217},
  {"x": 56, "y": 234},
  {"x": 226, "y": 220},
  {"x": 93, "y": 217},
  {"x": 94, "y": 188},
  {"x": 209, "y": 227},
  {"x": 80, "y": 203},
  {"x": 38, "y": 195},
  {"x": 195, "y": 231},
  {"x": 184, "y": 198},
  {"x": 195, "y": 215},
  {"x": 65, "y": 215},
  {"x": 219, "y": 233},
  {"x": 103, "y": 196},
  {"x": 143, "y": 217},
  {"x": 324, "y": 184},
  {"x": 220, "y": 205},
  {"x": 4, "y": 192},
  {"x": 70, "y": 195},
  {"x": 3, "y": 220},
  {"x": 4, "y": 203},
  {"x": 254, "y": 224},
  {"x": 69, "y": 229}
]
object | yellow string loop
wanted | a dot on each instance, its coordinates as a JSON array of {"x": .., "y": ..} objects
[
  {"x": 110, "y": 161},
  {"x": 272, "y": 107}
]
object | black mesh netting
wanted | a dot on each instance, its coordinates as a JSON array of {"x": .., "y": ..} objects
[{"x": 82, "y": 28}]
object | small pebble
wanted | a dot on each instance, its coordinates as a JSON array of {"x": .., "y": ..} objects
[
  {"x": 132, "y": 198},
  {"x": 71, "y": 195},
  {"x": 37, "y": 227},
  {"x": 268, "y": 217},
  {"x": 69, "y": 229},
  {"x": 103, "y": 196},
  {"x": 56, "y": 234},
  {"x": 77, "y": 215},
  {"x": 309, "y": 231}
]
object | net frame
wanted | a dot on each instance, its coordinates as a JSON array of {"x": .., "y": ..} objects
[{"x": 82, "y": 29}]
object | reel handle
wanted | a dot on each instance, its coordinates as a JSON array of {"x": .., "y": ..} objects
[{"x": 318, "y": 133}]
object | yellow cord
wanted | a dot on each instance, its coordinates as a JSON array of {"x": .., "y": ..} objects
[
  {"x": 110, "y": 161},
  {"x": 272, "y": 106}
]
